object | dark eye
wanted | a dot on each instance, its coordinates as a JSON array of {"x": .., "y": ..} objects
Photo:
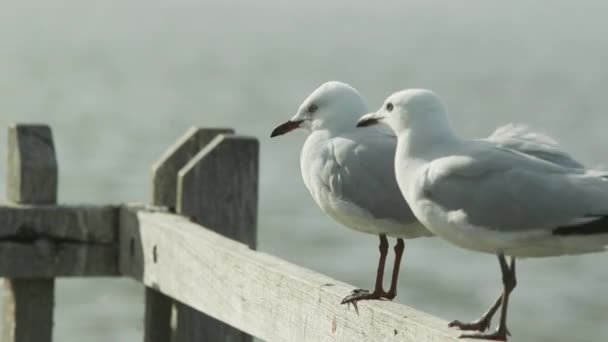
[
  {"x": 389, "y": 107},
  {"x": 312, "y": 108}
]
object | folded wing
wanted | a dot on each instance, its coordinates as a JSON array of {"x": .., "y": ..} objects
[
  {"x": 507, "y": 191},
  {"x": 363, "y": 174}
]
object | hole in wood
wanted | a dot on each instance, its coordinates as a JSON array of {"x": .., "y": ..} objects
[
  {"x": 132, "y": 247},
  {"x": 154, "y": 254}
]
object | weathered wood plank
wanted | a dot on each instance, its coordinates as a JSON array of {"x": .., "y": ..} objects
[
  {"x": 31, "y": 165},
  {"x": 219, "y": 189},
  {"x": 45, "y": 241},
  {"x": 31, "y": 178},
  {"x": 98, "y": 224},
  {"x": 261, "y": 294},
  {"x": 130, "y": 256},
  {"x": 18, "y": 313},
  {"x": 164, "y": 171},
  {"x": 157, "y": 316},
  {"x": 158, "y": 311},
  {"x": 48, "y": 259}
]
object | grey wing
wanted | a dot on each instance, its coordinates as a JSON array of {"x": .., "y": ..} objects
[
  {"x": 367, "y": 176},
  {"x": 522, "y": 139},
  {"x": 507, "y": 191}
]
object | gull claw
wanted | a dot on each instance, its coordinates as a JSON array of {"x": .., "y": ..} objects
[
  {"x": 480, "y": 325},
  {"x": 361, "y": 294},
  {"x": 495, "y": 336}
]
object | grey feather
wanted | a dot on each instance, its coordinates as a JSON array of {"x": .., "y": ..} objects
[
  {"x": 522, "y": 139},
  {"x": 367, "y": 173},
  {"x": 505, "y": 190},
  {"x": 357, "y": 168}
]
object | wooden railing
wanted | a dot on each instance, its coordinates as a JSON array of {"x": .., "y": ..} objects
[{"x": 193, "y": 247}]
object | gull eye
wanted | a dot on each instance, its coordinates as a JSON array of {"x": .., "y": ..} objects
[
  {"x": 389, "y": 107},
  {"x": 312, "y": 108}
]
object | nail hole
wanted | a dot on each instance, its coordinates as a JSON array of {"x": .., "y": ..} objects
[
  {"x": 154, "y": 254},
  {"x": 132, "y": 247}
]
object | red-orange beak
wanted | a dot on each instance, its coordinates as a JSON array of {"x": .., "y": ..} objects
[{"x": 285, "y": 128}]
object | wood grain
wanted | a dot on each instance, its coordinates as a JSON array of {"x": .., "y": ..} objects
[
  {"x": 79, "y": 223},
  {"x": 260, "y": 294},
  {"x": 165, "y": 169},
  {"x": 218, "y": 188},
  {"x": 48, "y": 259}
]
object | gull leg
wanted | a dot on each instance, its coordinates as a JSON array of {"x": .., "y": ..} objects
[
  {"x": 483, "y": 323},
  {"x": 399, "y": 247},
  {"x": 509, "y": 282},
  {"x": 360, "y": 294}
]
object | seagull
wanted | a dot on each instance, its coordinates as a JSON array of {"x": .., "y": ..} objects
[
  {"x": 487, "y": 197},
  {"x": 343, "y": 167}
]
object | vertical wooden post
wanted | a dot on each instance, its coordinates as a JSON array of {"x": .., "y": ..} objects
[
  {"x": 157, "y": 324},
  {"x": 218, "y": 188},
  {"x": 31, "y": 179}
]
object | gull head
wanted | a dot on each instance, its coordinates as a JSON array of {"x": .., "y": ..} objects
[
  {"x": 408, "y": 109},
  {"x": 333, "y": 106}
]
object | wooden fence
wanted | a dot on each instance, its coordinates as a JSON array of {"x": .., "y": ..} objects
[{"x": 193, "y": 247}]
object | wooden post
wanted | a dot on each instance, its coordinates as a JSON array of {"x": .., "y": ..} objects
[
  {"x": 218, "y": 188},
  {"x": 157, "y": 324},
  {"x": 31, "y": 179}
]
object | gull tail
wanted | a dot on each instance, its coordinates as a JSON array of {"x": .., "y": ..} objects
[
  {"x": 587, "y": 234},
  {"x": 590, "y": 225}
]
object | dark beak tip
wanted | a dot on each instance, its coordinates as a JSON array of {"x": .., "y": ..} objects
[
  {"x": 367, "y": 122},
  {"x": 285, "y": 128},
  {"x": 277, "y": 132}
]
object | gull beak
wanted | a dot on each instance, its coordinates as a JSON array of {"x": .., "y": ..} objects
[
  {"x": 285, "y": 128},
  {"x": 369, "y": 120}
]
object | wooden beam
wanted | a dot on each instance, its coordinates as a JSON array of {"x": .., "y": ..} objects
[
  {"x": 218, "y": 188},
  {"x": 47, "y": 259},
  {"x": 260, "y": 294},
  {"x": 45, "y": 241},
  {"x": 90, "y": 224},
  {"x": 31, "y": 178}
]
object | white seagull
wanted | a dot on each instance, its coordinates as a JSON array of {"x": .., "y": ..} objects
[
  {"x": 349, "y": 171},
  {"x": 486, "y": 197},
  {"x": 349, "y": 175}
]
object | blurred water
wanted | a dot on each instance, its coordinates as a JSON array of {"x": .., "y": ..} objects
[{"x": 120, "y": 80}]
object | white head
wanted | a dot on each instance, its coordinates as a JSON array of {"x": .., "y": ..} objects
[
  {"x": 333, "y": 106},
  {"x": 416, "y": 110}
]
